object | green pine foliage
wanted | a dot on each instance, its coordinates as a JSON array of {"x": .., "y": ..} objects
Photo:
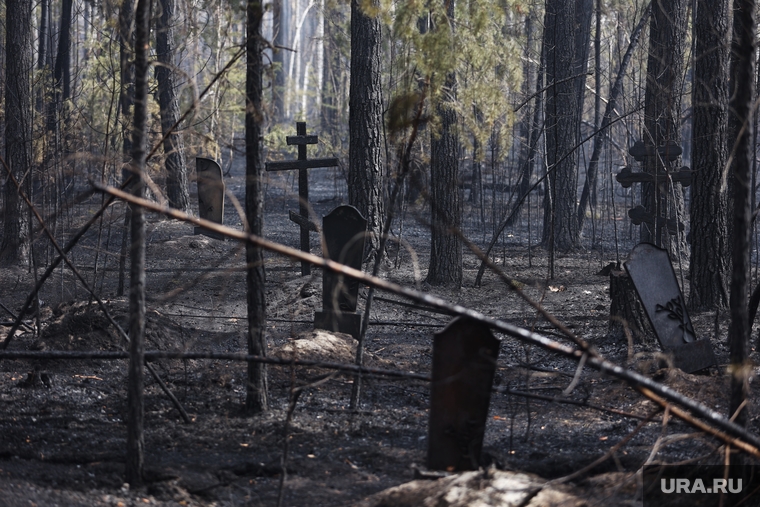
[{"x": 476, "y": 45}]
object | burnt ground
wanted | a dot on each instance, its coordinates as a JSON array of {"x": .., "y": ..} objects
[{"x": 62, "y": 422}]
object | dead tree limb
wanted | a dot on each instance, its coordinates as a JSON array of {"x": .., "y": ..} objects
[{"x": 725, "y": 428}]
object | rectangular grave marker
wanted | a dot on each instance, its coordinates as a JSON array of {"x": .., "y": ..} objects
[
  {"x": 464, "y": 362},
  {"x": 655, "y": 281},
  {"x": 302, "y": 164},
  {"x": 345, "y": 230},
  {"x": 210, "y": 195}
]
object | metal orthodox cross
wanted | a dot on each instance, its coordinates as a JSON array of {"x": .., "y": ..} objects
[
  {"x": 655, "y": 217},
  {"x": 302, "y": 164}
]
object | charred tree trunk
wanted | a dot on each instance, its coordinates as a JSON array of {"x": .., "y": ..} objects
[
  {"x": 709, "y": 267},
  {"x": 445, "y": 201},
  {"x": 126, "y": 101},
  {"x": 567, "y": 34},
  {"x": 62, "y": 71},
  {"x": 742, "y": 73},
  {"x": 174, "y": 152},
  {"x": 43, "y": 34},
  {"x": 256, "y": 392},
  {"x": 18, "y": 103},
  {"x": 135, "y": 442},
  {"x": 365, "y": 124},
  {"x": 626, "y": 310}
]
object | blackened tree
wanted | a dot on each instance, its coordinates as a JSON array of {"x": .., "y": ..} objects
[
  {"x": 709, "y": 208},
  {"x": 567, "y": 35},
  {"x": 740, "y": 107},
  {"x": 256, "y": 397},
  {"x": 15, "y": 245},
  {"x": 445, "y": 267}
]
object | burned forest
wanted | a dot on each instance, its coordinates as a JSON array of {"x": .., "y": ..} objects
[{"x": 379, "y": 253}]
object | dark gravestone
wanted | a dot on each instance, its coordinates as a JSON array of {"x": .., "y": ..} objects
[
  {"x": 656, "y": 284},
  {"x": 464, "y": 361},
  {"x": 344, "y": 229},
  {"x": 210, "y": 194}
]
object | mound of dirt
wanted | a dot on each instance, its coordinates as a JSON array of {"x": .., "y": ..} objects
[
  {"x": 84, "y": 326},
  {"x": 482, "y": 488},
  {"x": 328, "y": 347}
]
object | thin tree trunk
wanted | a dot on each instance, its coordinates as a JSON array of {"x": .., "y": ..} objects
[
  {"x": 256, "y": 392},
  {"x": 281, "y": 27},
  {"x": 43, "y": 34},
  {"x": 135, "y": 442},
  {"x": 602, "y": 135},
  {"x": 126, "y": 95},
  {"x": 62, "y": 71},
  {"x": 15, "y": 245},
  {"x": 742, "y": 72},
  {"x": 176, "y": 169}
]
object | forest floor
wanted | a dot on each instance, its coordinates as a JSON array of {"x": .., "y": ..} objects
[{"x": 62, "y": 429}]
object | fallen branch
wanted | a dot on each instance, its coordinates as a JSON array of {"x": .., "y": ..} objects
[{"x": 645, "y": 385}]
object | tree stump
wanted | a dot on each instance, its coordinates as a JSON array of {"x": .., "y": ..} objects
[{"x": 626, "y": 309}]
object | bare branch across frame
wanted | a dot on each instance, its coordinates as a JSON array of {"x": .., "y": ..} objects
[{"x": 713, "y": 422}]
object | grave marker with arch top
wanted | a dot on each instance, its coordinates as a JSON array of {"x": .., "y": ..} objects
[
  {"x": 210, "y": 195},
  {"x": 344, "y": 231}
]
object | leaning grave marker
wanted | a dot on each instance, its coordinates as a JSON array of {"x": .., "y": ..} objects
[
  {"x": 655, "y": 281},
  {"x": 210, "y": 195},
  {"x": 344, "y": 231},
  {"x": 464, "y": 362}
]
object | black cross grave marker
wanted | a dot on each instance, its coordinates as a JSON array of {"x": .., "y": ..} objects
[
  {"x": 302, "y": 164},
  {"x": 668, "y": 152}
]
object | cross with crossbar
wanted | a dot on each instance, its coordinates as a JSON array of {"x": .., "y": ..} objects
[{"x": 302, "y": 164}]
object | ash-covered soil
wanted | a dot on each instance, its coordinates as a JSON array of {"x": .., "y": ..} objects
[{"x": 63, "y": 422}]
